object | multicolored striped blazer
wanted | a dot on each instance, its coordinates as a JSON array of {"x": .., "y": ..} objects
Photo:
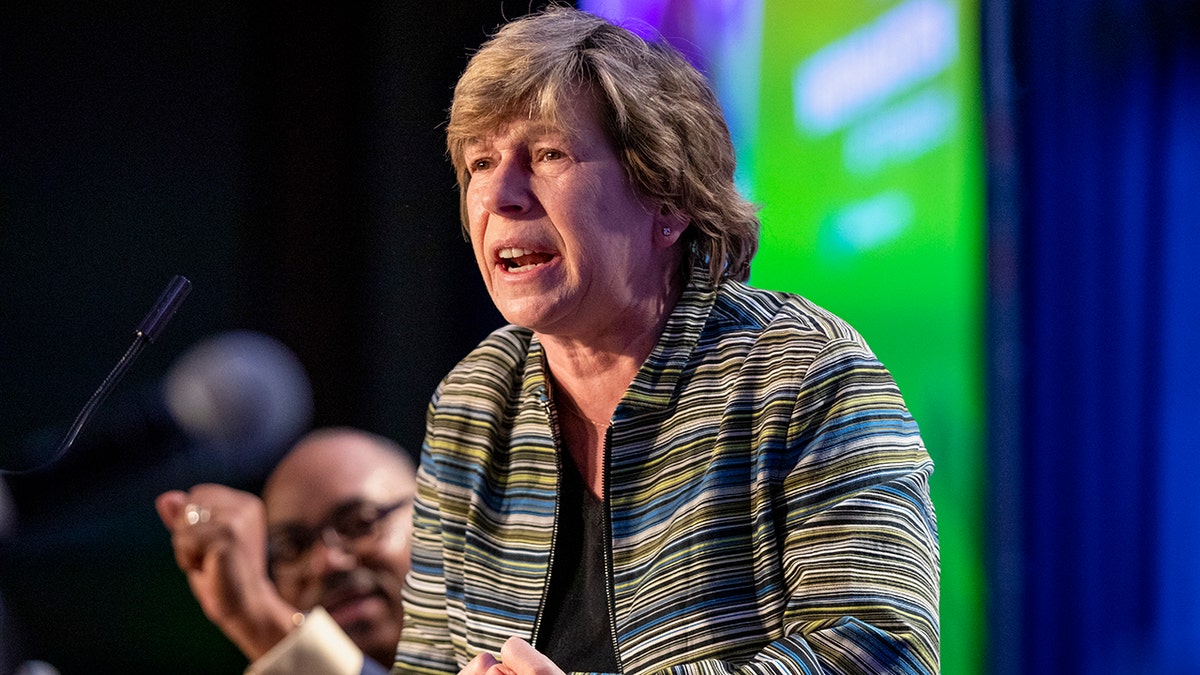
[{"x": 767, "y": 490}]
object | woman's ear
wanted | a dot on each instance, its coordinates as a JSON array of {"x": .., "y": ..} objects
[{"x": 671, "y": 225}]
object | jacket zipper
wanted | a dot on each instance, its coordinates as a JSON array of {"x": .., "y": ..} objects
[
  {"x": 552, "y": 414},
  {"x": 609, "y": 579}
]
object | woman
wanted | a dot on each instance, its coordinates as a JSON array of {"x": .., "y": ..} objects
[{"x": 654, "y": 465}]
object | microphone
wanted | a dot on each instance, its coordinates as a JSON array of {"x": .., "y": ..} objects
[
  {"x": 224, "y": 411},
  {"x": 243, "y": 394},
  {"x": 147, "y": 331},
  {"x": 168, "y": 303}
]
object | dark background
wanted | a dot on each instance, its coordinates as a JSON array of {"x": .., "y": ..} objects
[{"x": 288, "y": 158}]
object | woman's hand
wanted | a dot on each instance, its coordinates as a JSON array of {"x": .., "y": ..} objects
[{"x": 517, "y": 656}]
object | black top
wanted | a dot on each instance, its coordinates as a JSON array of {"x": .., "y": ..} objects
[{"x": 576, "y": 631}]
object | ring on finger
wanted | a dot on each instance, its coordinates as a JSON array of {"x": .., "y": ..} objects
[{"x": 194, "y": 513}]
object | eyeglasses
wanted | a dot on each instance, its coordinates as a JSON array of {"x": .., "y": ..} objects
[{"x": 347, "y": 527}]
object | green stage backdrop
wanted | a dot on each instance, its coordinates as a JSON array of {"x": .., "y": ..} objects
[{"x": 858, "y": 127}]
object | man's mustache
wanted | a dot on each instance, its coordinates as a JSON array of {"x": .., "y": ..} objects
[{"x": 342, "y": 585}]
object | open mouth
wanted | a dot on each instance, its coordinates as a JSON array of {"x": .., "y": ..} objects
[{"x": 522, "y": 259}]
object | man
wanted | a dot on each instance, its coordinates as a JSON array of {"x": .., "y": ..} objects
[{"x": 328, "y": 540}]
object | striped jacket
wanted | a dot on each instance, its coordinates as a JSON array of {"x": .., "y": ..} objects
[{"x": 768, "y": 496}]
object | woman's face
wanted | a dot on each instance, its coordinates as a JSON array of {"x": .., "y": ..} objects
[{"x": 565, "y": 245}]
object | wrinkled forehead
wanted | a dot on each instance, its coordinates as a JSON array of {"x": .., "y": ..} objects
[
  {"x": 519, "y": 129},
  {"x": 486, "y": 128},
  {"x": 550, "y": 109}
]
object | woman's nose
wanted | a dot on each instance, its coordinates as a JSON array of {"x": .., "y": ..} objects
[{"x": 506, "y": 188}]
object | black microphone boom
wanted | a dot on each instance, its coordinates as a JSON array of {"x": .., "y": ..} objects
[
  {"x": 148, "y": 331},
  {"x": 172, "y": 297}
]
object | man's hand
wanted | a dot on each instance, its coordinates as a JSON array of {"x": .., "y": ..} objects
[
  {"x": 219, "y": 536},
  {"x": 517, "y": 657}
]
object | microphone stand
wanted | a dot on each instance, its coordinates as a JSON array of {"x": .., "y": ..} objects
[{"x": 147, "y": 331}]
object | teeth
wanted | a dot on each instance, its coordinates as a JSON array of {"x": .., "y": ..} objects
[{"x": 508, "y": 253}]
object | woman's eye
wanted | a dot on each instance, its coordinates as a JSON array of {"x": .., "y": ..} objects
[
  {"x": 551, "y": 155},
  {"x": 478, "y": 165}
]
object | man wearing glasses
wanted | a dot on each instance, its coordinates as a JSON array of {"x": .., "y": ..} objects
[{"x": 311, "y": 573}]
